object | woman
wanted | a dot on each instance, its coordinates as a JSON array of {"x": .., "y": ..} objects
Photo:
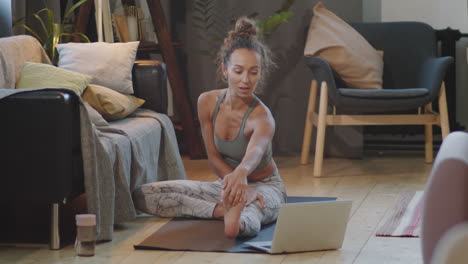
[{"x": 237, "y": 129}]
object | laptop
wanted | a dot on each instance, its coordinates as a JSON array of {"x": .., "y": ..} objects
[{"x": 309, "y": 226}]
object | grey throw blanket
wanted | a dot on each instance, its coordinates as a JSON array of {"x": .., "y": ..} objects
[
  {"x": 14, "y": 51},
  {"x": 102, "y": 185}
]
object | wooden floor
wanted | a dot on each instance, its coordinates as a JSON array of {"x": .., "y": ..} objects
[{"x": 372, "y": 183}]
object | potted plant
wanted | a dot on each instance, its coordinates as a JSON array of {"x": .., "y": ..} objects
[{"x": 53, "y": 33}]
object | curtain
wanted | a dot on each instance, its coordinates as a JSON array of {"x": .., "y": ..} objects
[
  {"x": 25, "y": 9},
  {"x": 5, "y": 18}
]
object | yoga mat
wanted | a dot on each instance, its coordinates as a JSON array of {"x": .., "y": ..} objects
[{"x": 208, "y": 235}]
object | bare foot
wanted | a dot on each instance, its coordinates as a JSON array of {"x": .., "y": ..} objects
[
  {"x": 218, "y": 212},
  {"x": 231, "y": 220}
]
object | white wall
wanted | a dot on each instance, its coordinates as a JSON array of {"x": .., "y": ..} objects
[
  {"x": 371, "y": 11},
  {"x": 440, "y": 15}
]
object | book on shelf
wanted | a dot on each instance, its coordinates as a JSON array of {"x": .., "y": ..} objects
[
  {"x": 107, "y": 21},
  {"x": 129, "y": 23},
  {"x": 146, "y": 21}
]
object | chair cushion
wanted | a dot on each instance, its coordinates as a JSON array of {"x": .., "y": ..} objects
[
  {"x": 348, "y": 53},
  {"x": 384, "y": 93}
]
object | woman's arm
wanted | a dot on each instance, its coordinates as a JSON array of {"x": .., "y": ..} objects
[
  {"x": 262, "y": 135},
  {"x": 235, "y": 183},
  {"x": 205, "y": 105}
]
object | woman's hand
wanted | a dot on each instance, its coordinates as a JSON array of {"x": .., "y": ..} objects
[
  {"x": 236, "y": 191},
  {"x": 234, "y": 188},
  {"x": 252, "y": 195}
]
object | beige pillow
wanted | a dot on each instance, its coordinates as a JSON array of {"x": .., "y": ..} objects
[
  {"x": 347, "y": 52},
  {"x": 39, "y": 75},
  {"x": 110, "y": 104},
  {"x": 110, "y": 64}
]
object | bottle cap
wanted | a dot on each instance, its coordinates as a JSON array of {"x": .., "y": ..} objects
[{"x": 85, "y": 220}]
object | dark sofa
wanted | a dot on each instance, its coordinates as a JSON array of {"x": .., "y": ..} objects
[{"x": 41, "y": 161}]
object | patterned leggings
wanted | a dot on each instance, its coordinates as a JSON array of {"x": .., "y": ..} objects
[{"x": 186, "y": 198}]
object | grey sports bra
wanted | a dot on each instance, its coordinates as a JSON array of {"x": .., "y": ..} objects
[{"x": 233, "y": 151}]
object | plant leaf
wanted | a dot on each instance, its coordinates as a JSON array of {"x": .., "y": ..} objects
[
  {"x": 51, "y": 22},
  {"x": 44, "y": 28},
  {"x": 285, "y": 6},
  {"x": 208, "y": 26},
  {"x": 271, "y": 23},
  {"x": 50, "y": 19},
  {"x": 56, "y": 36},
  {"x": 47, "y": 46},
  {"x": 198, "y": 18},
  {"x": 253, "y": 15},
  {"x": 201, "y": 5},
  {"x": 18, "y": 21},
  {"x": 83, "y": 36},
  {"x": 32, "y": 32},
  {"x": 199, "y": 10},
  {"x": 79, "y": 34},
  {"x": 199, "y": 27},
  {"x": 209, "y": 8},
  {"x": 68, "y": 26},
  {"x": 72, "y": 9}
]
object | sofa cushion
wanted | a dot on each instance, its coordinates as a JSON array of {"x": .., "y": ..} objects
[
  {"x": 110, "y": 64},
  {"x": 348, "y": 53},
  {"x": 39, "y": 75},
  {"x": 110, "y": 104}
]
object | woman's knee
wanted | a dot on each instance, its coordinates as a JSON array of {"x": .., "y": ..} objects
[{"x": 146, "y": 197}]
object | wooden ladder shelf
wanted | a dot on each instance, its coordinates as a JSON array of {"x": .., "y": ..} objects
[{"x": 191, "y": 132}]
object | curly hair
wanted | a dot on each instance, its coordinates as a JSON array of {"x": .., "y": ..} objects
[{"x": 244, "y": 36}]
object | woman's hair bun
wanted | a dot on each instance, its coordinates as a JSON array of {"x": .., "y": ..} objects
[{"x": 245, "y": 28}]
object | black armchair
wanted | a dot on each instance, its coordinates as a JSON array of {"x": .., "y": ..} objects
[{"x": 412, "y": 79}]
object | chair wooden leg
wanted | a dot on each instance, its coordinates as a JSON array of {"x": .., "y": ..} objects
[
  {"x": 444, "y": 122},
  {"x": 321, "y": 126},
  {"x": 428, "y": 137},
  {"x": 308, "y": 123}
]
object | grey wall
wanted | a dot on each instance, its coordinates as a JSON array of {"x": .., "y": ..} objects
[
  {"x": 287, "y": 89},
  {"x": 372, "y": 10},
  {"x": 5, "y": 18}
]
